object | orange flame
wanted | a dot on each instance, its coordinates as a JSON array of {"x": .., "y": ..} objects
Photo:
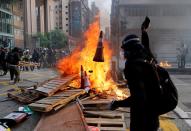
[
  {"x": 100, "y": 78},
  {"x": 165, "y": 64}
]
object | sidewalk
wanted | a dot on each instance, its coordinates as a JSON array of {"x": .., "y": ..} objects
[{"x": 8, "y": 106}]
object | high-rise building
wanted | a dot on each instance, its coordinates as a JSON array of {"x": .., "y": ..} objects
[
  {"x": 38, "y": 17},
  {"x": 18, "y": 23},
  {"x": 6, "y": 24},
  {"x": 170, "y": 24},
  {"x": 78, "y": 17},
  {"x": 61, "y": 11},
  {"x": 30, "y": 23}
]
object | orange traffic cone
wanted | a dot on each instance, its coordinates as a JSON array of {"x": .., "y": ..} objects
[
  {"x": 99, "y": 51},
  {"x": 82, "y": 76},
  {"x": 86, "y": 82}
]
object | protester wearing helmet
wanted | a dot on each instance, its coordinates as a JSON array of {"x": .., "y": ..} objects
[{"x": 143, "y": 85}]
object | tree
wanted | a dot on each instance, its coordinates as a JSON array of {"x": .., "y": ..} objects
[
  {"x": 44, "y": 40},
  {"x": 55, "y": 39},
  {"x": 58, "y": 39}
]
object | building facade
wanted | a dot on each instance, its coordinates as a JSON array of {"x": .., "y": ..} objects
[
  {"x": 170, "y": 24},
  {"x": 6, "y": 24},
  {"x": 79, "y": 14},
  {"x": 62, "y": 15},
  {"x": 18, "y": 23},
  {"x": 38, "y": 18}
]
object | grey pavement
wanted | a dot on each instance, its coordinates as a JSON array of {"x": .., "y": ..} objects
[
  {"x": 7, "y": 106},
  {"x": 183, "y": 84},
  {"x": 180, "y": 117}
]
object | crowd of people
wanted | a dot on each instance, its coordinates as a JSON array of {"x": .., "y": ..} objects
[{"x": 10, "y": 60}]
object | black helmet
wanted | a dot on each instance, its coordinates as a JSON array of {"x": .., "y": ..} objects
[
  {"x": 132, "y": 47},
  {"x": 129, "y": 41}
]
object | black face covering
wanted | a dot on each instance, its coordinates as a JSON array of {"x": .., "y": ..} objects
[{"x": 126, "y": 54}]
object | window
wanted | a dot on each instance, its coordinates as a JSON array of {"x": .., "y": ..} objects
[
  {"x": 66, "y": 30},
  {"x": 66, "y": 6},
  {"x": 66, "y": 24},
  {"x": 66, "y": 12},
  {"x": 6, "y": 21},
  {"x": 66, "y": 18}
]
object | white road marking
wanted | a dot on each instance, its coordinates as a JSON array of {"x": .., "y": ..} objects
[{"x": 184, "y": 115}]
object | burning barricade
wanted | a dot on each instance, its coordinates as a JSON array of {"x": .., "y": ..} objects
[
  {"x": 85, "y": 74},
  {"x": 96, "y": 61}
]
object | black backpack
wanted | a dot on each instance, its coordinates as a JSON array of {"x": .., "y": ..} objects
[{"x": 169, "y": 95}]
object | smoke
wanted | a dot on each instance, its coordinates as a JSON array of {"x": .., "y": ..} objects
[{"x": 105, "y": 9}]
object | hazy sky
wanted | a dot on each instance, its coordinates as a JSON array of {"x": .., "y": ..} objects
[{"x": 105, "y": 8}]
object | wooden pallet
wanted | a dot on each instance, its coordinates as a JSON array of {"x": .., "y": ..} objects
[
  {"x": 106, "y": 120},
  {"x": 94, "y": 105},
  {"x": 56, "y": 101},
  {"x": 24, "y": 97},
  {"x": 51, "y": 87}
]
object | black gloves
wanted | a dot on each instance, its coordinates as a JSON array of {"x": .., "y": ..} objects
[{"x": 113, "y": 105}]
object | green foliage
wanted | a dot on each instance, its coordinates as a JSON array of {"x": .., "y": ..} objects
[
  {"x": 55, "y": 39},
  {"x": 58, "y": 39}
]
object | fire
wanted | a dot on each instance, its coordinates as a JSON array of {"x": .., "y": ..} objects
[
  {"x": 98, "y": 72},
  {"x": 165, "y": 64}
]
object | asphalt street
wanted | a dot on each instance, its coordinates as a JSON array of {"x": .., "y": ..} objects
[{"x": 177, "y": 120}]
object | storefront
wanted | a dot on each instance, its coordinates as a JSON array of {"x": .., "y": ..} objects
[{"x": 6, "y": 24}]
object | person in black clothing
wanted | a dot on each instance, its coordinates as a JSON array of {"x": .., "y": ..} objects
[
  {"x": 143, "y": 85},
  {"x": 13, "y": 59},
  {"x": 145, "y": 38},
  {"x": 35, "y": 56},
  {"x": 3, "y": 60}
]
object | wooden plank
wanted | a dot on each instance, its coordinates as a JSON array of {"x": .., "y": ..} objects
[
  {"x": 47, "y": 101},
  {"x": 24, "y": 97},
  {"x": 49, "y": 104},
  {"x": 104, "y": 121},
  {"x": 59, "y": 96},
  {"x": 48, "y": 86},
  {"x": 53, "y": 84},
  {"x": 104, "y": 114},
  {"x": 69, "y": 119},
  {"x": 74, "y": 90},
  {"x": 112, "y": 128},
  {"x": 47, "y": 92},
  {"x": 40, "y": 107},
  {"x": 43, "y": 90},
  {"x": 66, "y": 93},
  {"x": 100, "y": 101},
  {"x": 58, "y": 81}
]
